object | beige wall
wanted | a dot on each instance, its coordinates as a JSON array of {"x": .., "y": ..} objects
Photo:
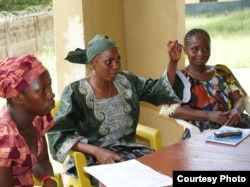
[
  {"x": 68, "y": 28},
  {"x": 76, "y": 22},
  {"x": 141, "y": 29},
  {"x": 148, "y": 28}
]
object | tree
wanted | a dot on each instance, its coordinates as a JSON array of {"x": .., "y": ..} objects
[{"x": 16, "y": 5}]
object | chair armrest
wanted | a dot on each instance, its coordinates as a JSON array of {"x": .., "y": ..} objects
[
  {"x": 151, "y": 134},
  {"x": 58, "y": 176},
  {"x": 82, "y": 177},
  {"x": 37, "y": 182},
  {"x": 193, "y": 129}
]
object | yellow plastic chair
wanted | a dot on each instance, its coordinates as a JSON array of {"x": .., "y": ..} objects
[
  {"x": 57, "y": 176},
  {"x": 53, "y": 111},
  {"x": 150, "y": 134},
  {"x": 82, "y": 179}
]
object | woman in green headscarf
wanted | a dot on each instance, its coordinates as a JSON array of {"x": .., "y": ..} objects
[{"x": 102, "y": 109}]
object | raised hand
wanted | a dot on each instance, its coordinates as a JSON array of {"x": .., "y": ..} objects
[{"x": 174, "y": 50}]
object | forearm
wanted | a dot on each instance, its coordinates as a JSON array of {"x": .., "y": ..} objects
[
  {"x": 43, "y": 166},
  {"x": 85, "y": 148},
  {"x": 102, "y": 155},
  {"x": 174, "y": 51},
  {"x": 171, "y": 71},
  {"x": 6, "y": 176},
  {"x": 190, "y": 114},
  {"x": 43, "y": 171}
]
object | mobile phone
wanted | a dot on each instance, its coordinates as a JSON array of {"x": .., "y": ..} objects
[{"x": 228, "y": 133}]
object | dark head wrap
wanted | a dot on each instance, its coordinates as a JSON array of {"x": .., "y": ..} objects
[
  {"x": 17, "y": 73},
  {"x": 95, "y": 47}
]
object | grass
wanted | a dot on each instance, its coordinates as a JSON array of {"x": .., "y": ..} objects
[
  {"x": 229, "y": 34},
  {"x": 231, "y": 24}
]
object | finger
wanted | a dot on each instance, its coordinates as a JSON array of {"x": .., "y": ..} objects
[
  {"x": 170, "y": 42},
  {"x": 231, "y": 122},
  {"x": 180, "y": 47}
]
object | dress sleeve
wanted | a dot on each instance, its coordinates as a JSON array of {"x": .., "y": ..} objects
[
  {"x": 158, "y": 91},
  {"x": 63, "y": 136},
  {"x": 229, "y": 77}
]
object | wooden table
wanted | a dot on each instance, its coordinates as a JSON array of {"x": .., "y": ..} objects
[{"x": 197, "y": 154}]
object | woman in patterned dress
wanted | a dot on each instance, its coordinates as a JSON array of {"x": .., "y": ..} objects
[
  {"x": 217, "y": 98},
  {"x": 102, "y": 109},
  {"x": 26, "y": 85}
]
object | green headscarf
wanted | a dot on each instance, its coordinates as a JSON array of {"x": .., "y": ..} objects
[{"x": 95, "y": 47}]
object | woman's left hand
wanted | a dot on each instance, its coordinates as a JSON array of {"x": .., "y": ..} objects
[{"x": 233, "y": 117}]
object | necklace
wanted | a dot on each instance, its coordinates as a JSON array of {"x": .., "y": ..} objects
[{"x": 99, "y": 89}]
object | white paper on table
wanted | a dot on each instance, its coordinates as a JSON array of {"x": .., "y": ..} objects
[{"x": 131, "y": 173}]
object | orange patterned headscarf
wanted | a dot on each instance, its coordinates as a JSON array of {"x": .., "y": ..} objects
[{"x": 17, "y": 73}]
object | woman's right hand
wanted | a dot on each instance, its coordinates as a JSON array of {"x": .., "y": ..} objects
[
  {"x": 105, "y": 156},
  {"x": 174, "y": 50}
]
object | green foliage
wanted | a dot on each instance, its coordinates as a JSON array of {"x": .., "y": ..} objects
[
  {"x": 16, "y": 5},
  {"x": 233, "y": 23},
  {"x": 229, "y": 37}
]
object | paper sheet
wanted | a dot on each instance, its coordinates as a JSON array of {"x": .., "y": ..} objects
[{"x": 130, "y": 173}]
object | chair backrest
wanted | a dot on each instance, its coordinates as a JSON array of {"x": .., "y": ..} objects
[{"x": 53, "y": 111}]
